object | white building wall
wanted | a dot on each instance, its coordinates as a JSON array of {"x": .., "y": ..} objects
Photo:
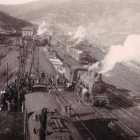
[{"x": 27, "y": 33}]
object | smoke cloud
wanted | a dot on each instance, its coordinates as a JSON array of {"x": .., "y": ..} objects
[
  {"x": 91, "y": 33},
  {"x": 130, "y": 50},
  {"x": 80, "y": 34},
  {"x": 43, "y": 28},
  {"x": 70, "y": 33}
]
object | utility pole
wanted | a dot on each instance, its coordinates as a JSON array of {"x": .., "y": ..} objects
[
  {"x": 38, "y": 62},
  {"x": 14, "y": 44},
  {"x": 7, "y": 74},
  {"x": 0, "y": 61}
]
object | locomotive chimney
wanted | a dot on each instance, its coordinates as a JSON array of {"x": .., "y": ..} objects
[
  {"x": 97, "y": 76},
  {"x": 100, "y": 77},
  {"x": 49, "y": 43}
]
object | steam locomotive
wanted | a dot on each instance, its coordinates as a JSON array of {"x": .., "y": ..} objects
[
  {"x": 42, "y": 41},
  {"x": 88, "y": 85}
]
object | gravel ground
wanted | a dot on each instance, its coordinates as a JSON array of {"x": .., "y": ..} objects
[{"x": 11, "y": 126}]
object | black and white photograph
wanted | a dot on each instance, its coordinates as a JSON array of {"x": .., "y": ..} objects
[{"x": 69, "y": 69}]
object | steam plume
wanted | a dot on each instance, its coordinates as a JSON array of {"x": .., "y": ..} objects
[
  {"x": 80, "y": 34},
  {"x": 94, "y": 66},
  {"x": 70, "y": 33},
  {"x": 42, "y": 28},
  {"x": 130, "y": 50}
]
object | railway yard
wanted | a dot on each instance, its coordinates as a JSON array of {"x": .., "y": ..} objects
[
  {"x": 124, "y": 106},
  {"x": 70, "y": 116}
]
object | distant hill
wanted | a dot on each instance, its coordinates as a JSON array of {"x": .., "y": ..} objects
[
  {"x": 109, "y": 14},
  {"x": 106, "y": 21},
  {"x": 23, "y": 9},
  {"x": 10, "y": 23}
]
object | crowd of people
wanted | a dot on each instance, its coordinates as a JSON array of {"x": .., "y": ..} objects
[
  {"x": 12, "y": 95},
  {"x": 47, "y": 79}
]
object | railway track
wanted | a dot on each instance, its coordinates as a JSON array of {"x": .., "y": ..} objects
[
  {"x": 114, "y": 117},
  {"x": 120, "y": 101},
  {"x": 84, "y": 131},
  {"x": 85, "y": 134},
  {"x": 105, "y": 114},
  {"x": 126, "y": 107}
]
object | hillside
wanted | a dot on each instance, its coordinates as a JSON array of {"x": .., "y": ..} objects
[
  {"x": 10, "y": 23},
  {"x": 23, "y": 9},
  {"x": 107, "y": 22}
]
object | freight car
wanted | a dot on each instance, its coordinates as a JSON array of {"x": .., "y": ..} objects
[
  {"x": 41, "y": 118},
  {"x": 78, "y": 55},
  {"x": 89, "y": 85}
]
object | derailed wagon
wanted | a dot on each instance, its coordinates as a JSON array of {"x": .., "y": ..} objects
[{"x": 41, "y": 119}]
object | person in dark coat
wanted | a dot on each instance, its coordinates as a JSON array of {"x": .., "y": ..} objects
[{"x": 43, "y": 75}]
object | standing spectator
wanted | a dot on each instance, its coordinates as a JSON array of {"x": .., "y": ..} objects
[
  {"x": 52, "y": 77},
  {"x": 50, "y": 80},
  {"x": 66, "y": 109},
  {"x": 49, "y": 89},
  {"x": 3, "y": 99},
  {"x": 69, "y": 109},
  {"x": 47, "y": 76},
  {"x": 57, "y": 79},
  {"x": 111, "y": 125},
  {"x": 8, "y": 105},
  {"x": 68, "y": 85},
  {"x": 43, "y": 75}
]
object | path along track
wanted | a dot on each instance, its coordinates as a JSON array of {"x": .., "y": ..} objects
[
  {"x": 122, "y": 104},
  {"x": 83, "y": 128}
]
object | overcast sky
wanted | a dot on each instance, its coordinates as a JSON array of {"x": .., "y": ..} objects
[{"x": 14, "y": 1}]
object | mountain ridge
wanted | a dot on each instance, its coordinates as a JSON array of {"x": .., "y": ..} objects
[
  {"x": 9, "y": 23},
  {"x": 118, "y": 18}
]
